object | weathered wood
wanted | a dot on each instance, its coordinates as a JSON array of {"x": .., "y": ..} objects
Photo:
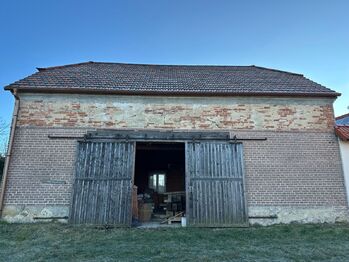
[
  {"x": 103, "y": 183},
  {"x": 141, "y": 135},
  {"x": 155, "y": 135},
  {"x": 176, "y": 218},
  {"x": 215, "y": 184}
]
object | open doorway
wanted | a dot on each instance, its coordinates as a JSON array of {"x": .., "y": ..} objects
[{"x": 159, "y": 183}]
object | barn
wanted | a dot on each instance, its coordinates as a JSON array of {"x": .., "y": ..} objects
[
  {"x": 342, "y": 131},
  {"x": 115, "y": 143}
]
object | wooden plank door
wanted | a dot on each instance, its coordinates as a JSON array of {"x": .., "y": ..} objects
[
  {"x": 102, "y": 188},
  {"x": 215, "y": 186}
]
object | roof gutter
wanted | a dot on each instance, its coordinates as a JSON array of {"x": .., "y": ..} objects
[
  {"x": 9, "y": 150},
  {"x": 77, "y": 90}
]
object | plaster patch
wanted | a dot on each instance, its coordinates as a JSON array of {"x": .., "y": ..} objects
[{"x": 288, "y": 215}]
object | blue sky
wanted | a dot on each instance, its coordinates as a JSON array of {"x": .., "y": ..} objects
[{"x": 309, "y": 37}]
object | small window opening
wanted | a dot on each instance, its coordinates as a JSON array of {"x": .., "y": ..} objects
[{"x": 157, "y": 182}]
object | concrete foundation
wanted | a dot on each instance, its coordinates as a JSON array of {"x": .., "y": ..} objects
[
  {"x": 267, "y": 215},
  {"x": 35, "y": 213},
  {"x": 288, "y": 215}
]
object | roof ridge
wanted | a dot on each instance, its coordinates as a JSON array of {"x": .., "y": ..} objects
[
  {"x": 277, "y": 70},
  {"x": 170, "y": 65},
  {"x": 63, "y": 66},
  {"x": 140, "y": 64}
]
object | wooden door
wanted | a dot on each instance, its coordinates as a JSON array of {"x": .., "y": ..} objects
[
  {"x": 215, "y": 186},
  {"x": 102, "y": 189}
]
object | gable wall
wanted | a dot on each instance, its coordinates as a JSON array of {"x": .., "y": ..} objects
[
  {"x": 248, "y": 113},
  {"x": 295, "y": 174}
]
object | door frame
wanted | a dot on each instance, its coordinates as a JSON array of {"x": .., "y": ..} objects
[{"x": 178, "y": 136}]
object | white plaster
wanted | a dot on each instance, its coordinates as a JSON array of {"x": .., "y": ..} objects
[
  {"x": 288, "y": 215},
  {"x": 285, "y": 215},
  {"x": 31, "y": 213},
  {"x": 344, "y": 147}
]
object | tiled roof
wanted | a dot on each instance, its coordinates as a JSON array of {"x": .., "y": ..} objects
[
  {"x": 342, "y": 132},
  {"x": 342, "y": 120},
  {"x": 170, "y": 79}
]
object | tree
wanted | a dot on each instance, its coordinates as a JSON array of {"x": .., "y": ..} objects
[
  {"x": 2, "y": 163},
  {"x": 3, "y": 144}
]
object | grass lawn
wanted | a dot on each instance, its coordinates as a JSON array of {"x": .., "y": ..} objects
[{"x": 58, "y": 242}]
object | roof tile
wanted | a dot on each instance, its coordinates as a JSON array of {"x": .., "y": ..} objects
[
  {"x": 165, "y": 79},
  {"x": 342, "y": 132}
]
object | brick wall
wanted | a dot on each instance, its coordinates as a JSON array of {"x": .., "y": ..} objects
[
  {"x": 41, "y": 169},
  {"x": 297, "y": 166},
  {"x": 288, "y": 169},
  {"x": 293, "y": 169},
  {"x": 258, "y": 113}
]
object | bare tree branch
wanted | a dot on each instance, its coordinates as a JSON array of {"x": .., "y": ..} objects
[{"x": 4, "y": 129}]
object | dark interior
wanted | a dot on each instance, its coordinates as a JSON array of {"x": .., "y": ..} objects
[{"x": 160, "y": 179}]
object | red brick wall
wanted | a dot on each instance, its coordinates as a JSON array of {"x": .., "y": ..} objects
[
  {"x": 288, "y": 169},
  {"x": 176, "y": 113}
]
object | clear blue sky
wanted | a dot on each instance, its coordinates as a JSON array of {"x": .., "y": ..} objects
[{"x": 309, "y": 37}]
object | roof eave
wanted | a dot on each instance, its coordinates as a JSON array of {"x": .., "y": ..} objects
[
  {"x": 29, "y": 89},
  {"x": 342, "y": 131},
  {"x": 342, "y": 137}
]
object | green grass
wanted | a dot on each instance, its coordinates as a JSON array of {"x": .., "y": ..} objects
[{"x": 58, "y": 242}]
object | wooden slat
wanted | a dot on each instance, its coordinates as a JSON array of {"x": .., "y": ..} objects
[
  {"x": 102, "y": 178},
  {"x": 103, "y": 183},
  {"x": 156, "y": 135},
  {"x": 215, "y": 178}
]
